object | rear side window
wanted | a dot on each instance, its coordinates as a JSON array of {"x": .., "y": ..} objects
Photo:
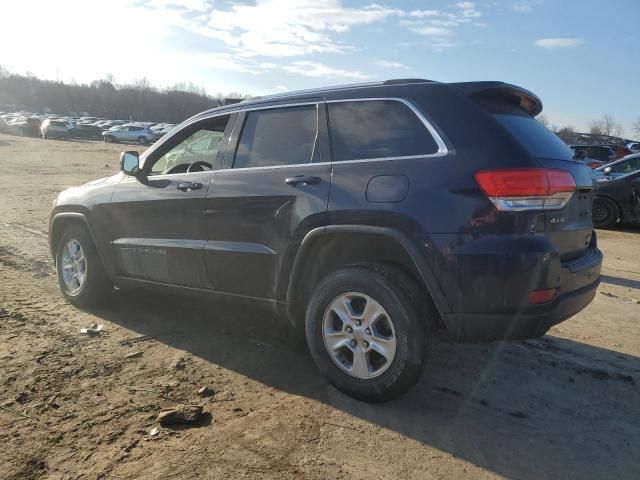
[
  {"x": 530, "y": 133},
  {"x": 377, "y": 129},
  {"x": 282, "y": 136}
]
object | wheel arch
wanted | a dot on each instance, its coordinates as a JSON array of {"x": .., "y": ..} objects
[
  {"x": 325, "y": 249},
  {"x": 621, "y": 211},
  {"x": 62, "y": 220}
]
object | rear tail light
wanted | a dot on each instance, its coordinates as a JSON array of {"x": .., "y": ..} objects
[
  {"x": 521, "y": 189},
  {"x": 542, "y": 296}
]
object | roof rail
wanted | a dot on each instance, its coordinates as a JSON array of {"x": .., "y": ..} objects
[
  {"x": 396, "y": 81},
  {"x": 400, "y": 81}
]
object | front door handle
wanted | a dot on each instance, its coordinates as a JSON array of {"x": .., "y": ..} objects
[
  {"x": 302, "y": 180},
  {"x": 189, "y": 186}
]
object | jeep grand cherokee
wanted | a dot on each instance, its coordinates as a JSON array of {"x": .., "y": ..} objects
[{"x": 369, "y": 215}]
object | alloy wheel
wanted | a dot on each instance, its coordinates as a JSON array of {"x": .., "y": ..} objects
[
  {"x": 359, "y": 336},
  {"x": 74, "y": 267}
]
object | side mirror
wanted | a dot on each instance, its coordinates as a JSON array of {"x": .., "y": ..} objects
[
  {"x": 607, "y": 170},
  {"x": 130, "y": 163}
]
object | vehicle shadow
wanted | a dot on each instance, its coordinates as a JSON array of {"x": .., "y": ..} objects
[
  {"x": 547, "y": 408},
  {"x": 622, "y": 282}
]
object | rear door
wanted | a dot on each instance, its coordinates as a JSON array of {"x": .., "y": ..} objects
[
  {"x": 274, "y": 190},
  {"x": 157, "y": 222}
]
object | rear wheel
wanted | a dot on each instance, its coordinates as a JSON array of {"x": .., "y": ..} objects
[
  {"x": 81, "y": 276},
  {"x": 605, "y": 212},
  {"x": 368, "y": 331}
]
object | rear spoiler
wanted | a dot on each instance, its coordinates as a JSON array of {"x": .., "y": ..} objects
[{"x": 503, "y": 92}]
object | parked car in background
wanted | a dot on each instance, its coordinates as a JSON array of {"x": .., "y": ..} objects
[
  {"x": 106, "y": 125},
  {"x": 619, "y": 168},
  {"x": 159, "y": 133},
  {"x": 25, "y": 126},
  {"x": 326, "y": 207},
  {"x": 621, "y": 151},
  {"x": 54, "y": 129},
  {"x": 593, "y": 155},
  {"x": 3, "y": 125},
  {"x": 129, "y": 133},
  {"x": 86, "y": 131},
  {"x": 634, "y": 146},
  {"x": 617, "y": 200}
]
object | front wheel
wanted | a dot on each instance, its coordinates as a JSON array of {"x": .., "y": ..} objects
[
  {"x": 142, "y": 141},
  {"x": 605, "y": 212},
  {"x": 81, "y": 276},
  {"x": 368, "y": 330}
]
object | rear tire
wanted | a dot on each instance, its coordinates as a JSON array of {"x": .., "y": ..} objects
[
  {"x": 403, "y": 318},
  {"x": 76, "y": 255},
  {"x": 605, "y": 212}
]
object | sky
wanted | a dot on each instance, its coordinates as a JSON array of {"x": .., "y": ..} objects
[{"x": 580, "y": 56}]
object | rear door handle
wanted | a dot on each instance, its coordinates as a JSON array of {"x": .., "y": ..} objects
[
  {"x": 189, "y": 186},
  {"x": 302, "y": 180}
]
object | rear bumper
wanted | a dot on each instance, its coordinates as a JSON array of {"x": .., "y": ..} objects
[
  {"x": 488, "y": 289},
  {"x": 485, "y": 327}
]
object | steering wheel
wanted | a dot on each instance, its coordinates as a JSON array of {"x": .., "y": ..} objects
[{"x": 199, "y": 164}]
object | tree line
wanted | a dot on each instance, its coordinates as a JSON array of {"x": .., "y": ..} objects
[{"x": 139, "y": 100}]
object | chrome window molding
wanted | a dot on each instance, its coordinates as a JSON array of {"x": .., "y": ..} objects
[
  {"x": 272, "y": 107},
  {"x": 441, "y": 152},
  {"x": 442, "y": 147}
]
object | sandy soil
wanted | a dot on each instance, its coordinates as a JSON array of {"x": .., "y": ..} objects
[{"x": 565, "y": 406}]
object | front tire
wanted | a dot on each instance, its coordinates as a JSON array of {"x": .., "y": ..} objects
[
  {"x": 81, "y": 275},
  {"x": 605, "y": 212},
  {"x": 142, "y": 141},
  {"x": 369, "y": 331}
]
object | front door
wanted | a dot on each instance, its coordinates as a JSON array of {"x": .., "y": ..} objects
[
  {"x": 157, "y": 222},
  {"x": 273, "y": 190}
]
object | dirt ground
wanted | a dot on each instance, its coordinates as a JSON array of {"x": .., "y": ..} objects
[{"x": 75, "y": 406}]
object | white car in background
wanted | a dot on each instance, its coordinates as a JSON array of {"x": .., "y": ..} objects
[
  {"x": 129, "y": 133},
  {"x": 54, "y": 128}
]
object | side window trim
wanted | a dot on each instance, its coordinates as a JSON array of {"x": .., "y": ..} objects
[
  {"x": 323, "y": 132},
  {"x": 442, "y": 146},
  {"x": 240, "y": 124},
  {"x": 165, "y": 147}
]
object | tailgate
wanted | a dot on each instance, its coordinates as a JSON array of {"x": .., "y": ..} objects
[{"x": 570, "y": 229}]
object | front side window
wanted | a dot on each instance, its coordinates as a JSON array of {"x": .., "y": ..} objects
[
  {"x": 281, "y": 136},
  {"x": 194, "y": 149},
  {"x": 377, "y": 129}
]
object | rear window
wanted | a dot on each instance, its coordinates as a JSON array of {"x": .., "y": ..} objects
[
  {"x": 377, "y": 129},
  {"x": 530, "y": 133}
]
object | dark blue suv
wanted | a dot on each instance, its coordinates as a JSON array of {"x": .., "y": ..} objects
[{"x": 370, "y": 216}]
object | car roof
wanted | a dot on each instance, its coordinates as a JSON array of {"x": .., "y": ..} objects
[{"x": 376, "y": 89}]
